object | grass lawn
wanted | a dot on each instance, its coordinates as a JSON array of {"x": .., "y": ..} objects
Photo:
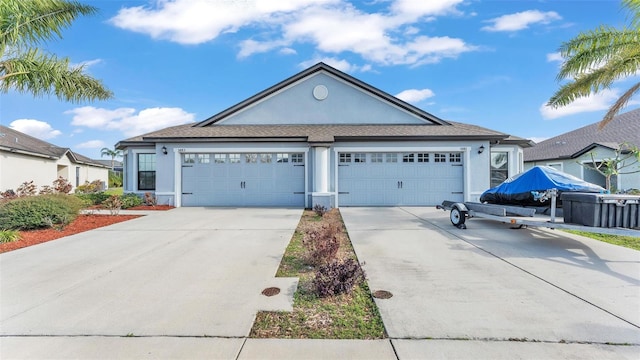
[
  {"x": 346, "y": 316},
  {"x": 630, "y": 242},
  {"x": 114, "y": 191}
]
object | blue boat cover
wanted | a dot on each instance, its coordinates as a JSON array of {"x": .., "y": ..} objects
[{"x": 525, "y": 188}]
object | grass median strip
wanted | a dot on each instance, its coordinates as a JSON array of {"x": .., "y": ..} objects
[{"x": 352, "y": 315}]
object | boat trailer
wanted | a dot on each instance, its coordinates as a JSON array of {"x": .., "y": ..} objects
[{"x": 521, "y": 217}]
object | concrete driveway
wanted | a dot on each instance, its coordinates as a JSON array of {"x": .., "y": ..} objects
[
  {"x": 496, "y": 287},
  {"x": 188, "y": 272}
]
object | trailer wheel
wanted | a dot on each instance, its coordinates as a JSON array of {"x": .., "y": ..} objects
[{"x": 457, "y": 217}]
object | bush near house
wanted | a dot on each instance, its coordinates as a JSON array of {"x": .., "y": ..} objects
[
  {"x": 130, "y": 200},
  {"x": 42, "y": 211}
]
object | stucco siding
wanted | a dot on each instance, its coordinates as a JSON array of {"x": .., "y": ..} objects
[
  {"x": 344, "y": 104},
  {"x": 15, "y": 169}
]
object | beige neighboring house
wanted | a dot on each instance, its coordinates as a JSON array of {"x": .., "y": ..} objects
[
  {"x": 569, "y": 152},
  {"x": 25, "y": 158}
]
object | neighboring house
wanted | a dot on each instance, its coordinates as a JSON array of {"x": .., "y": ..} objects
[
  {"x": 570, "y": 151},
  {"x": 117, "y": 165},
  {"x": 320, "y": 137},
  {"x": 25, "y": 158}
]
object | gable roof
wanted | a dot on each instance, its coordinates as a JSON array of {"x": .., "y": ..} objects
[
  {"x": 322, "y": 67},
  {"x": 16, "y": 142},
  {"x": 624, "y": 128},
  {"x": 429, "y": 128}
]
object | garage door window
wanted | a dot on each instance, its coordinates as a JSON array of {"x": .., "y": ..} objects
[
  {"x": 423, "y": 158},
  {"x": 282, "y": 158},
  {"x": 203, "y": 158},
  {"x": 439, "y": 158},
  {"x": 408, "y": 158},
  {"x": 455, "y": 157},
  {"x": 146, "y": 171},
  {"x": 234, "y": 158},
  {"x": 391, "y": 157},
  {"x": 219, "y": 158},
  {"x": 377, "y": 158},
  {"x": 189, "y": 158},
  {"x": 359, "y": 158},
  {"x": 297, "y": 158},
  {"x": 265, "y": 158},
  {"x": 251, "y": 158},
  {"x": 345, "y": 158}
]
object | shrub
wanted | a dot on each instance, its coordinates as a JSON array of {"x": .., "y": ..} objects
[
  {"x": 45, "y": 190},
  {"x": 337, "y": 277},
  {"x": 150, "y": 199},
  {"x": 7, "y": 236},
  {"x": 90, "y": 187},
  {"x": 321, "y": 242},
  {"x": 61, "y": 185},
  {"x": 130, "y": 200},
  {"x": 115, "y": 179},
  {"x": 28, "y": 188},
  {"x": 9, "y": 194},
  {"x": 114, "y": 204},
  {"x": 92, "y": 198},
  {"x": 320, "y": 210},
  {"x": 40, "y": 211}
]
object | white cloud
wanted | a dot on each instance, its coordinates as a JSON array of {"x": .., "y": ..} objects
[
  {"x": 521, "y": 20},
  {"x": 36, "y": 128},
  {"x": 415, "y": 95},
  {"x": 127, "y": 120},
  {"x": 86, "y": 64},
  {"x": 554, "y": 57},
  {"x": 332, "y": 26},
  {"x": 594, "y": 102},
  {"x": 198, "y": 21},
  {"x": 91, "y": 144},
  {"x": 340, "y": 64}
]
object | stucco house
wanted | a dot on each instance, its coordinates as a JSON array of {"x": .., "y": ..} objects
[
  {"x": 571, "y": 151},
  {"x": 26, "y": 158},
  {"x": 320, "y": 137}
]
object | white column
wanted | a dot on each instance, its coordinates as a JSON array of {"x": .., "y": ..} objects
[{"x": 321, "y": 170}]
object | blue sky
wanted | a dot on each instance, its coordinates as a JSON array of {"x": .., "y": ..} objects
[{"x": 170, "y": 62}]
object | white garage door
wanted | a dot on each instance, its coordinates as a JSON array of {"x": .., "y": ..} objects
[
  {"x": 238, "y": 179},
  {"x": 389, "y": 179}
]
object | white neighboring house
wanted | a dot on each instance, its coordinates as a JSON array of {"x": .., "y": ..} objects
[
  {"x": 566, "y": 152},
  {"x": 320, "y": 137},
  {"x": 25, "y": 158}
]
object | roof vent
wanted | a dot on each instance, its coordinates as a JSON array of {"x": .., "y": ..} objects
[{"x": 561, "y": 143}]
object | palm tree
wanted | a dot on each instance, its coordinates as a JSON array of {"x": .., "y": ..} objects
[
  {"x": 113, "y": 154},
  {"x": 25, "y": 24},
  {"x": 596, "y": 58}
]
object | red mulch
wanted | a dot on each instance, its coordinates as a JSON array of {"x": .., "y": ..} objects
[{"x": 80, "y": 224}]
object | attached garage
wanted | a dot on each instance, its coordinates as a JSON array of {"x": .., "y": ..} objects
[
  {"x": 243, "y": 179},
  {"x": 399, "y": 178}
]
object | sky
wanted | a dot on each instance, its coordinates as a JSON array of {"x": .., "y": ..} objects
[{"x": 171, "y": 62}]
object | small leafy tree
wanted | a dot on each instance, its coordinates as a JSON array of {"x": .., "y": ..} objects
[{"x": 626, "y": 157}]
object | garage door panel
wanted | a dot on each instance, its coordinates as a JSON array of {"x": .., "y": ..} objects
[
  {"x": 415, "y": 179},
  {"x": 243, "y": 180}
]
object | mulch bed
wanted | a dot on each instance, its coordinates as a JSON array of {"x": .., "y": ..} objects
[{"x": 80, "y": 224}]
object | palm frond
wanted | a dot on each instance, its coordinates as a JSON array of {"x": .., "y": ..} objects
[
  {"x": 40, "y": 74},
  {"x": 634, "y": 11},
  {"x": 618, "y": 105},
  {"x": 32, "y": 21}
]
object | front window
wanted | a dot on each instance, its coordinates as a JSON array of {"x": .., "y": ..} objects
[
  {"x": 499, "y": 167},
  {"x": 146, "y": 171}
]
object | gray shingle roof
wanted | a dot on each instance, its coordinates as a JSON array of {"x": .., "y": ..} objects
[
  {"x": 15, "y": 141},
  {"x": 317, "y": 133},
  {"x": 623, "y": 128}
]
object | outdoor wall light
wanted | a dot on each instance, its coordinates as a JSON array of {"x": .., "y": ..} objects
[
  {"x": 481, "y": 149},
  {"x": 164, "y": 150}
]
